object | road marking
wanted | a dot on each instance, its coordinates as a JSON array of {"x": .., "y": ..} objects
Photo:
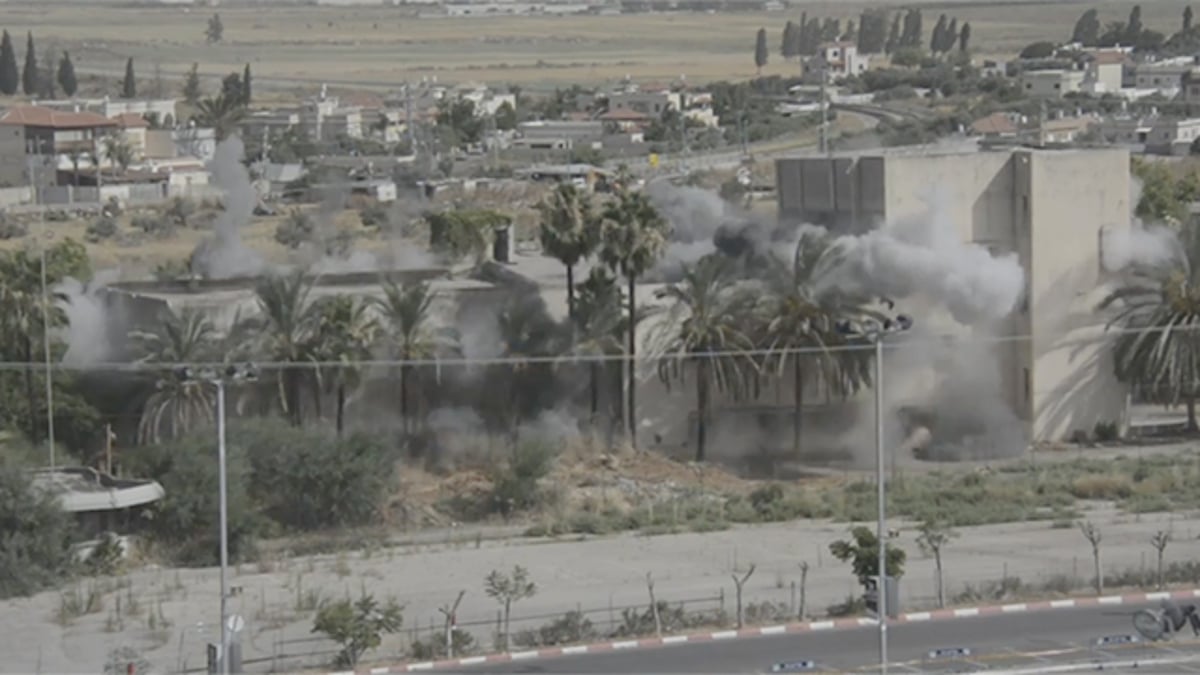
[
  {"x": 1111, "y": 600},
  {"x": 427, "y": 665},
  {"x": 625, "y": 644},
  {"x": 725, "y": 635},
  {"x": 1149, "y": 664},
  {"x": 521, "y": 656},
  {"x": 971, "y": 611},
  {"x": 1017, "y": 607},
  {"x": 674, "y": 639},
  {"x": 1061, "y": 604},
  {"x": 773, "y": 630},
  {"x": 821, "y": 625},
  {"x": 918, "y": 616},
  {"x": 472, "y": 660},
  {"x": 578, "y": 649}
]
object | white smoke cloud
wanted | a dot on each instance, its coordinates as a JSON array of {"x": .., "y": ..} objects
[
  {"x": 927, "y": 257},
  {"x": 1125, "y": 247},
  {"x": 224, "y": 255},
  {"x": 694, "y": 215},
  {"x": 88, "y": 318}
]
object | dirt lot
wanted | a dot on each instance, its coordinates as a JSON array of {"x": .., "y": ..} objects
[{"x": 382, "y": 46}]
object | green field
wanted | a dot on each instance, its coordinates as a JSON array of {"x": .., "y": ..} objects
[{"x": 381, "y": 46}]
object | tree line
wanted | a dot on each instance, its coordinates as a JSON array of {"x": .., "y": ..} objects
[
  {"x": 1090, "y": 31},
  {"x": 36, "y": 78},
  {"x": 876, "y": 32}
]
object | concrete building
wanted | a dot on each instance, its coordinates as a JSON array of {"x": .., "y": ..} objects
[
  {"x": 1052, "y": 83},
  {"x": 1105, "y": 69},
  {"x": 161, "y": 110},
  {"x": 837, "y": 60},
  {"x": 1050, "y": 208},
  {"x": 1165, "y": 76}
]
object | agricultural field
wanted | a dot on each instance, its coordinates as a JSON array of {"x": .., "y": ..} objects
[{"x": 372, "y": 46}]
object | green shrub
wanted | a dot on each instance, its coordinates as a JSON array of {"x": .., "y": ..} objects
[
  {"x": 515, "y": 484},
  {"x": 572, "y": 627},
  {"x": 36, "y": 535},
  {"x": 357, "y": 626},
  {"x": 295, "y": 230},
  {"x": 307, "y": 480},
  {"x": 186, "y": 519},
  {"x": 104, "y": 227}
]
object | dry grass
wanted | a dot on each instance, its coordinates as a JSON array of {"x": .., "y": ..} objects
[{"x": 381, "y": 46}]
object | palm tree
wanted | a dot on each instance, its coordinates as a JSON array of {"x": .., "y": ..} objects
[
  {"x": 708, "y": 318},
  {"x": 527, "y": 332},
  {"x": 570, "y": 231},
  {"x": 343, "y": 332},
  {"x": 599, "y": 327},
  {"x": 409, "y": 331},
  {"x": 1158, "y": 313},
  {"x": 797, "y": 324},
  {"x": 282, "y": 333},
  {"x": 176, "y": 405},
  {"x": 222, "y": 113},
  {"x": 633, "y": 236}
]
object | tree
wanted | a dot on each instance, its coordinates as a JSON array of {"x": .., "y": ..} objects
[
  {"x": 175, "y": 405},
  {"x": 911, "y": 33},
  {"x": 760, "y": 50},
  {"x": 1156, "y": 306},
  {"x": 508, "y": 589},
  {"x": 47, "y": 87},
  {"x": 10, "y": 80},
  {"x": 1092, "y": 534},
  {"x": 29, "y": 76},
  {"x": 873, "y": 31},
  {"x": 247, "y": 92},
  {"x": 1134, "y": 27},
  {"x": 36, "y": 533},
  {"x": 893, "y": 39},
  {"x": 66, "y": 75},
  {"x": 357, "y": 626},
  {"x": 1187, "y": 19},
  {"x": 215, "y": 31},
  {"x": 950, "y": 36},
  {"x": 191, "y": 85},
  {"x": 1038, "y": 50},
  {"x": 851, "y": 34},
  {"x": 1159, "y": 541},
  {"x": 506, "y": 117},
  {"x": 932, "y": 539},
  {"x": 118, "y": 151},
  {"x": 797, "y": 324},
  {"x": 964, "y": 37},
  {"x": 281, "y": 333},
  {"x": 129, "y": 84},
  {"x": 939, "y": 35},
  {"x": 344, "y": 332},
  {"x": 407, "y": 313},
  {"x": 708, "y": 316},
  {"x": 599, "y": 328},
  {"x": 787, "y": 42},
  {"x": 569, "y": 231},
  {"x": 632, "y": 238},
  {"x": 1087, "y": 29},
  {"x": 862, "y": 552},
  {"x": 739, "y": 583},
  {"x": 221, "y": 113}
]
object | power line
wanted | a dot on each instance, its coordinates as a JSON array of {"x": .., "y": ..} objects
[{"x": 897, "y": 342}]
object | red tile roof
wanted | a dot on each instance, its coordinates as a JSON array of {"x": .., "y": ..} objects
[
  {"x": 624, "y": 116},
  {"x": 1109, "y": 57},
  {"x": 36, "y": 116},
  {"x": 131, "y": 121},
  {"x": 996, "y": 123}
]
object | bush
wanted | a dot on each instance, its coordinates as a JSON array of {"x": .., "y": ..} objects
[
  {"x": 374, "y": 215},
  {"x": 357, "y": 626},
  {"x": 570, "y": 628},
  {"x": 295, "y": 230},
  {"x": 306, "y": 480},
  {"x": 1106, "y": 432},
  {"x": 104, "y": 227},
  {"x": 11, "y": 229},
  {"x": 185, "y": 520},
  {"x": 36, "y": 535},
  {"x": 155, "y": 225},
  {"x": 463, "y": 232},
  {"x": 434, "y": 648},
  {"x": 515, "y": 485}
]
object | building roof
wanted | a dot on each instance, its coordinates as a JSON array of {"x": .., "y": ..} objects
[
  {"x": 624, "y": 115},
  {"x": 37, "y": 116},
  {"x": 996, "y": 124},
  {"x": 130, "y": 120},
  {"x": 1068, "y": 124},
  {"x": 82, "y": 489},
  {"x": 1109, "y": 57}
]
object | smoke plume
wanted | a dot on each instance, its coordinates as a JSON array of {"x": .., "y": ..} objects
[
  {"x": 89, "y": 319},
  {"x": 925, "y": 256},
  {"x": 224, "y": 255},
  {"x": 1137, "y": 246}
]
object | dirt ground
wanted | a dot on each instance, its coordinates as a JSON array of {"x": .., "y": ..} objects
[{"x": 383, "y": 46}]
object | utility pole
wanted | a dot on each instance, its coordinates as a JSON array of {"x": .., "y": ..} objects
[
  {"x": 408, "y": 121},
  {"x": 824, "y": 109},
  {"x": 34, "y": 150}
]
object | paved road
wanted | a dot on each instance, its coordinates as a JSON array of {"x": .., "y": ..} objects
[{"x": 1016, "y": 642}]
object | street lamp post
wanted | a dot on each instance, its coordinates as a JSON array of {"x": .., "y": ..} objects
[
  {"x": 218, "y": 380},
  {"x": 875, "y": 332}
]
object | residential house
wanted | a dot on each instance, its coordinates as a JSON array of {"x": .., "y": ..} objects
[
  {"x": 558, "y": 134},
  {"x": 323, "y": 118},
  {"x": 1062, "y": 130},
  {"x": 625, "y": 121},
  {"x": 487, "y": 102},
  {"x": 60, "y": 140},
  {"x": 1164, "y": 76},
  {"x": 1172, "y": 136},
  {"x": 997, "y": 125},
  {"x": 1189, "y": 86},
  {"x": 1051, "y": 83},
  {"x": 1105, "y": 69},
  {"x": 836, "y": 60},
  {"x": 161, "y": 111},
  {"x": 1126, "y": 130},
  {"x": 650, "y": 103},
  {"x": 583, "y": 176}
]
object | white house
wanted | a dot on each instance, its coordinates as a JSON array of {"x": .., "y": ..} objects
[{"x": 837, "y": 60}]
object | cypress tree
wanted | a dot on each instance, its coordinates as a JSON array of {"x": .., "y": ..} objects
[
  {"x": 29, "y": 76},
  {"x": 10, "y": 79},
  {"x": 760, "y": 50},
  {"x": 191, "y": 86},
  {"x": 129, "y": 85},
  {"x": 66, "y": 75},
  {"x": 246, "y": 93}
]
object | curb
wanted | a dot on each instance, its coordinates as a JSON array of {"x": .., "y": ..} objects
[{"x": 780, "y": 629}]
